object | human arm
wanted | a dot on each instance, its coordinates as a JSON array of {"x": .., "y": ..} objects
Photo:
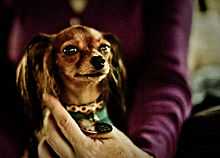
[{"x": 162, "y": 99}]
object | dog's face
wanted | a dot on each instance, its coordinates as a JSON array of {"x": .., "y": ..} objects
[
  {"x": 75, "y": 57},
  {"x": 82, "y": 55}
]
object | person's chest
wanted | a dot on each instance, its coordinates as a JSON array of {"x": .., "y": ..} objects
[{"x": 122, "y": 18}]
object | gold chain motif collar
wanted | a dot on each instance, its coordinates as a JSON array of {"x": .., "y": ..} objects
[{"x": 87, "y": 109}]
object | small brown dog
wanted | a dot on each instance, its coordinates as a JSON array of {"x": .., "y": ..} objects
[{"x": 80, "y": 66}]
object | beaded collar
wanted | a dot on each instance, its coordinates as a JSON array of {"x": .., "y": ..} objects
[
  {"x": 92, "y": 117},
  {"x": 88, "y": 108}
]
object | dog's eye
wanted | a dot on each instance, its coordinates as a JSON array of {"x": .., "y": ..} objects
[
  {"x": 104, "y": 48},
  {"x": 70, "y": 50}
]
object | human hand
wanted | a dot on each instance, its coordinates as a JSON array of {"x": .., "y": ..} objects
[{"x": 65, "y": 138}]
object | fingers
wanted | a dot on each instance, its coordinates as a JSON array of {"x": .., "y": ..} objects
[
  {"x": 67, "y": 125},
  {"x": 57, "y": 143},
  {"x": 43, "y": 150}
]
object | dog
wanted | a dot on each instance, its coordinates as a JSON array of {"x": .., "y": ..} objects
[{"x": 80, "y": 66}]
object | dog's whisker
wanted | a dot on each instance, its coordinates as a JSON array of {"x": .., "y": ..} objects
[{"x": 55, "y": 64}]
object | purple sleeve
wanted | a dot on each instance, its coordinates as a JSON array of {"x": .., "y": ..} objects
[{"x": 162, "y": 97}]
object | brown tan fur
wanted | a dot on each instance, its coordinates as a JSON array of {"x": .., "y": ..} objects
[{"x": 45, "y": 68}]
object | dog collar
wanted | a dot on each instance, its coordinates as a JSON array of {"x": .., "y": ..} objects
[
  {"x": 100, "y": 116},
  {"x": 88, "y": 108},
  {"x": 93, "y": 123},
  {"x": 92, "y": 117}
]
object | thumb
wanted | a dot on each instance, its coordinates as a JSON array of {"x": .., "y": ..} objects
[{"x": 65, "y": 122}]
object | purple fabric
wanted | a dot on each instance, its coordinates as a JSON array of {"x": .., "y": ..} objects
[
  {"x": 154, "y": 37},
  {"x": 162, "y": 95}
]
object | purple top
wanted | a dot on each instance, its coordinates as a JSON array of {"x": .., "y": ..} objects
[{"x": 154, "y": 38}]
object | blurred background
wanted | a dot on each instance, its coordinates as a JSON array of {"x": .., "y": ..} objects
[
  {"x": 201, "y": 133},
  {"x": 204, "y": 55}
]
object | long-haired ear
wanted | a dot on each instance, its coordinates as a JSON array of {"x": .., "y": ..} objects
[
  {"x": 117, "y": 78},
  {"x": 33, "y": 76}
]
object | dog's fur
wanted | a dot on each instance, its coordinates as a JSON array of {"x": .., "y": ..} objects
[{"x": 71, "y": 77}]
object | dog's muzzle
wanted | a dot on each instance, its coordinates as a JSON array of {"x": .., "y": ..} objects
[{"x": 97, "y": 62}]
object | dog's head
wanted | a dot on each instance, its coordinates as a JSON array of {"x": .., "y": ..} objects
[
  {"x": 75, "y": 57},
  {"x": 82, "y": 55}
]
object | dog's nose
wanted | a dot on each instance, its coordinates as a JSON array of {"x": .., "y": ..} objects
[{"x": 98, "y": 62}]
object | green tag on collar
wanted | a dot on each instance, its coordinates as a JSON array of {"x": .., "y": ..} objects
[{"x": 99, "y": 116}]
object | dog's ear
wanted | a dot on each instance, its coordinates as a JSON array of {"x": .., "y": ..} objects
[
  {"x": 118, "y": 71},
  {"x": 33, "y": 75},
  {"x": 117, "y": 78}
]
